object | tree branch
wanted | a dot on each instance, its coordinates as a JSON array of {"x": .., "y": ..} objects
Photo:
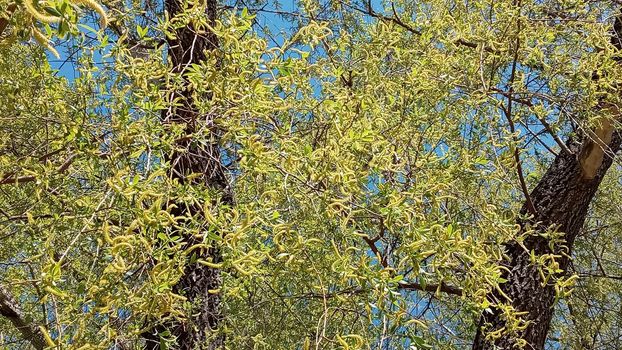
[
  {"x": 9, "y": 179},
  {"x": 398, "y": 21},
  {"x": 411, "y": 285},
  {"x": 10, "y": 310},
  {"x": 430, "y": 287},
  {"x": 508, "y": 114},
  {"x": 5, "y": 21}
]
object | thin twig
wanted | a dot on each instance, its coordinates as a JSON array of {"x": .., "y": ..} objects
[
  {"x": 508, "y": 114},
  {"x": 9, "y": 179},
  {"x": 430, "y": 287}
]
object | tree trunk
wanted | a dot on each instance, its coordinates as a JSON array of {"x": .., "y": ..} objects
[
  {"x": 10, "y": 309},
  {"x": 195, "y": 157},
  {"x": 561, "y": 200}
]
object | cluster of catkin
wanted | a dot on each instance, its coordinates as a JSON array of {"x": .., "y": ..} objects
[{"x": 50, "y": 19}]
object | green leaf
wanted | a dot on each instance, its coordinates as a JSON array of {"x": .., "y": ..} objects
[
  {"x": 52, "y": 11},
  {"x": 142, "y": 32}
]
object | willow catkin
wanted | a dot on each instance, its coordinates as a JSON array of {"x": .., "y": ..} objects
[
  {"x": 44, "y": 41},
  {"x": 95, "y": 6},
  {"x": 30, "y": 7}
]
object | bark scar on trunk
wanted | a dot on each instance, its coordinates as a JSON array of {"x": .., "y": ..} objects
[{"x": 593, "y": 148}]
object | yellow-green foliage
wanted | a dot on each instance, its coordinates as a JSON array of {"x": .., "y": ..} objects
[
  {"x": 28, "y": 17},
  {"x": 345, "y": 134}
]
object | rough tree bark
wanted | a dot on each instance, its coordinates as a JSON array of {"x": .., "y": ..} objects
[
  {"x": 196, "y": 157},
  {"x": 561, "y": 200},
  {"x": 10, "y": 309}
]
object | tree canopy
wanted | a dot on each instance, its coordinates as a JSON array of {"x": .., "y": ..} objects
[{"x": 318, "y": 174}]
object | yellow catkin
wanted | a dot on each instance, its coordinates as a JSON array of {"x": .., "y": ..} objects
[
  {"x": 55, "y": 292},
  {"x": 30, "y": 7},
  {"x": 103, "y": 20},
  {"x": 43, "y": 41},
  {"x": 7, "y": 40},
  {"x": 210, "y": 264},
  {"x": 47, "y": 337}
]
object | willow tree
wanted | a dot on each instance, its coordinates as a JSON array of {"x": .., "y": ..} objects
[{"x": 318, "y": 175}]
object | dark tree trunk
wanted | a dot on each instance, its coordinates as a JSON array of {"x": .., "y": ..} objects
[
  {"x": 11, "y": 310},
  {"x": 195, "y": 157},
  {"x": 561, "y": 201}
]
